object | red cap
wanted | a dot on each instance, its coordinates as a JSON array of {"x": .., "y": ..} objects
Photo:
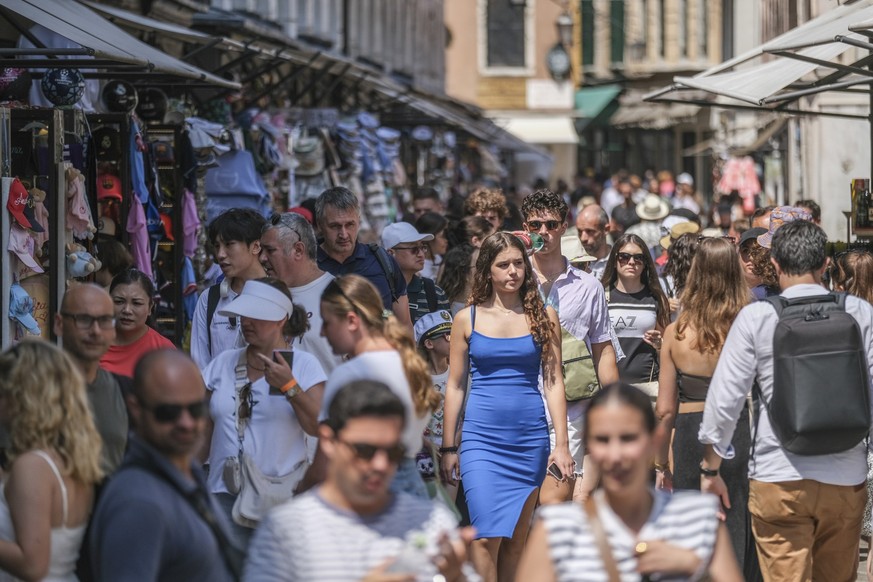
[
  {"x": 17, "y": 201},
  {"x": 108, "y": 186},
  {"x": 304, "y": 213}
]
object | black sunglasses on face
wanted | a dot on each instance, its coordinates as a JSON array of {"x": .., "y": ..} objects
[
  {"x": 366, "y": 452},
  {"x": 167, "y": 413},
  {"x": 625, "y": 258},
  {"x": 535, "y": 225}
]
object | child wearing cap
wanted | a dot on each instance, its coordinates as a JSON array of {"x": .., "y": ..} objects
[{"x": 432, "y": 338}]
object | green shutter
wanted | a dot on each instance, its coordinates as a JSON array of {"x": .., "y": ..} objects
[
  {"x": 587, "y": 12},
  {"x": 616, "y": 33}
]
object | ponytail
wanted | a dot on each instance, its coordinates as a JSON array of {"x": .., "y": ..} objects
[{"x": 425, "y": 399}]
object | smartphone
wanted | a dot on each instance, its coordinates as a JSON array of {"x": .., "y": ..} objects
[
  {"x": 288, "y": 356},
  {"x": 555, "y": 472}
]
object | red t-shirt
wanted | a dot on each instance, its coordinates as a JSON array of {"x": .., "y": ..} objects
[{"x": 122, "y": 359}]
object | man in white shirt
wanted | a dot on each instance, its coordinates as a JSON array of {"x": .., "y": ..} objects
[
  {"x": 806, "y": 509},
  {"x": 353, "y": 527},
  {"x": 592, "y": 224}
]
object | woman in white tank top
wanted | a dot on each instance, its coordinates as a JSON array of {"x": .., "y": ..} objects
[{"x": 54, "y": 462}]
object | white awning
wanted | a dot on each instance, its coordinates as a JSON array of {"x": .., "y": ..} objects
[
  {"x": 544, "y": 129},
  {"x": 106, "y": 41},
  {"x": 804, "y": 61}
]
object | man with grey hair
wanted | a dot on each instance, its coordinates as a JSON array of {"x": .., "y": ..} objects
[
  {"x": 288, "y": 252},
  {"x": 592, "y": 225},
  {"x": 338, "y": 215}
]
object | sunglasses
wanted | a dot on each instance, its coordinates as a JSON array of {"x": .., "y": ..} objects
[
  {"x": 246, "y": 402},
  {"x": 167, "y": 413},
  {"x": 535, "y": 225},
  {"x": 625, "y": 258},
  {"x": 366, "y": 452},
  {"x": 414, "y": 250}
]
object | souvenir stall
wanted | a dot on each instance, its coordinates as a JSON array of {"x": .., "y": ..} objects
[{"x": 90, "y": 178}]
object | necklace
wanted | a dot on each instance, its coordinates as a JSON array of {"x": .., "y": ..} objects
[
  {"x": 253, "y": 367},
  {"x": 504, "y": 309}
]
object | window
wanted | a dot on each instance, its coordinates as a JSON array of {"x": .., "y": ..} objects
[
  {"x": 662, "y": 49},
  {"x": 587, "y": 14},
  {"x": 702, "y": 28},
  {"x": 616, "y": 31},
  {"x": 505, "y": 30},
  {"x": 682, "y": 28}
]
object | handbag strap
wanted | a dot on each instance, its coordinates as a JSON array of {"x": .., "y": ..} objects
[
  {"x": 242, "y": 378},
  {"x": 600, "y": 539}
]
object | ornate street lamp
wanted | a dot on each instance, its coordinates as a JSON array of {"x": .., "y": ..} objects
[{"x": 558, "y": 59}]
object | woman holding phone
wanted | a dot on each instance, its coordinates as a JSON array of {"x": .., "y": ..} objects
[{"x": 272, "y": 392}]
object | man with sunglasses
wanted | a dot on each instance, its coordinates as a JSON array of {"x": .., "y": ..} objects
[
  {"x": 406, "y": 245},
  {"x": 354, "y": 527},
  {"x": 86, "y": 325},
  {"x": 582, "y": 311},
  {"x": 156, "y": 520}
]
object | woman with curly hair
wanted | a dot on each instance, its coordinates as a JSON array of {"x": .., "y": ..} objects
[
  {"x": 715, "y": 294},
  {"x": 489, "y": 203},
  {"x": 638, "y": 308},
  {"x": 379, "y": 348},
  {"x": 505, "y": 338},
  {"x": 54, "y": 457},
  {"x": 679, "y": 256}
]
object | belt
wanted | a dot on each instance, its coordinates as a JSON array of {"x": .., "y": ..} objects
[{"x": 689, "y": 407}]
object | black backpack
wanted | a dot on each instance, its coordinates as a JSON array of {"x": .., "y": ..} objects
[{"x": 821, "y": 389}]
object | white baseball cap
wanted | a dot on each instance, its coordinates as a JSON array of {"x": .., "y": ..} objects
[{"x": 401, "y": 232}]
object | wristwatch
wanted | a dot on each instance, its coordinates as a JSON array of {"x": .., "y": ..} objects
[
  {"x": 292, "y": 392},
  {"x": 708, "y": 472}
]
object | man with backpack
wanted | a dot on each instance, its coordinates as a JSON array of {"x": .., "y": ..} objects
[
  {"x": 406, "y": 245},
  {"x": 338, "y": 215},
  {"x": 805, "y": 357}
]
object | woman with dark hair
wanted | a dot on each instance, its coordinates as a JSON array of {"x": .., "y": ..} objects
[
  {"x": 457, "y": 275},
  {"x": 435, "y": 224},
  {"x": 506, "y": 338},
  {"x": 679, "y": 256},
  {"x": 715, "y": 294},
  {"x": 641, "y": 532},
  {"x": 638, "y": 308},
  {"x": 132, "y": 293},
  {"x": 263, "y": 398},
  {"x": 471, "y": 230}
]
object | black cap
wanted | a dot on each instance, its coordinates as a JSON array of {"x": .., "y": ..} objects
[{"x": 752, "y": 233}]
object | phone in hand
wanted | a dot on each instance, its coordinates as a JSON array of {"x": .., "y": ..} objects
[
  {"x": 288, "y": 356},
  {"x": 555, "y": 471}
]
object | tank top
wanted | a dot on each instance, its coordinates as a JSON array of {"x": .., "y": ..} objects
[{"x": 65, "y": 541}]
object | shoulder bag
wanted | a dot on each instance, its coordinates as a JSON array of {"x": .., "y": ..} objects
[
  {"x": 577, "y": 367},
  {"x": 257, "y": 493},
  {"x": 599, "y": 534}
]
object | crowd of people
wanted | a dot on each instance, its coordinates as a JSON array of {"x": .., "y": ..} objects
[{"x": 462, "y": 396}]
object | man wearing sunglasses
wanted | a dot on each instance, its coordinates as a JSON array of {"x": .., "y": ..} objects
[
  {"x": 155, "y": 519},
  {"x": 582, "y": 311},
  {"x": 355, "y": 528},
  {"x": 406, "y": 245}
]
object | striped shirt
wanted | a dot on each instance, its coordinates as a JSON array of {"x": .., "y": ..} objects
[
  {"x": 686, "y": 519},
  {"x": 308, "y": 539}
]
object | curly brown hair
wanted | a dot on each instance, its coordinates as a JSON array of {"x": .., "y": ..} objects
[
  {"x": 484, "y": 200},
  {"x": 762, "y": 266},
  {"x": 852, "y": 272},
  {"x": 716, "y": 292},
  {"x": 679, "y": 257},
  {"x": 544, "y": 201},
  {"x": 355, "y": 294},
  {"x": 532, "y": 302}
]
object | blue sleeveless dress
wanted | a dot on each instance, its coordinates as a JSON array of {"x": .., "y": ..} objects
[{"x": 505, "y": 437}]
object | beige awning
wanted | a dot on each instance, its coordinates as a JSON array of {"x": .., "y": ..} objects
[
  {"x": 103, "y": 39},
  {"x": 650, "y": 116},
  {"x": 543, "y": 129},
  {"x": 807, "y": 60}
]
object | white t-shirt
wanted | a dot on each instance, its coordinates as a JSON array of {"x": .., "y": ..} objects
[
  {"x": 273, "y": 437},
  {"x": 309, "y": 297},
  {"x": 382, "y": 366},
  {"x": 226, "y": 332}
]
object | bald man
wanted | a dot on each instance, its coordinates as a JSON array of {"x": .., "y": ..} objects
[
  {"x": 156, "y": 520},
  {"x": 592, "y": 224},
  {"x": 86, "y": 325}
]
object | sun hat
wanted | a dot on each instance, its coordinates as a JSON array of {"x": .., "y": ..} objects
[
  {"x": 431, "y": 325},
  {"x": 582, "y": 259},
  {"x": 260, "y": 301},
  {"x": 402, "y": 232},
  {"x": 779, "y": 216},
  {"x": 678, "y": 230},
  {"x": 653, "y": 207}
]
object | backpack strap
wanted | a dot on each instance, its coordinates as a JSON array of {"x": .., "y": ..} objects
[
  {"x": 387, "y": 268},
  {"x": 211, "y": 305},
  {"x": 430, "y": 293}
]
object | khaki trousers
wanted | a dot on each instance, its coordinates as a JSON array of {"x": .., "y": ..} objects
[{"x": 806, "y": 530}]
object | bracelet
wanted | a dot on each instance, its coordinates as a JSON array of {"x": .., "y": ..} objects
[
  {"x": 444, "y": 450},
  {"x": 289, "y": 386},
  {"x": 708, "y": 472}
]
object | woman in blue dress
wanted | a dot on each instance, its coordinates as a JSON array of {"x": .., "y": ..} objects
[{"x": 506, "y": 338}]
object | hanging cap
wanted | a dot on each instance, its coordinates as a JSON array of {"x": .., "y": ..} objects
[
  {"x": 21, "y": 308},
  {"x": 17, "y": 201}
]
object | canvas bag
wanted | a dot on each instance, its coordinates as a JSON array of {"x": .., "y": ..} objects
[
  {"x": 821, "y": 396},
  {"x": 577, "y": 366},
  {"x": 257, "y": 493}
]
